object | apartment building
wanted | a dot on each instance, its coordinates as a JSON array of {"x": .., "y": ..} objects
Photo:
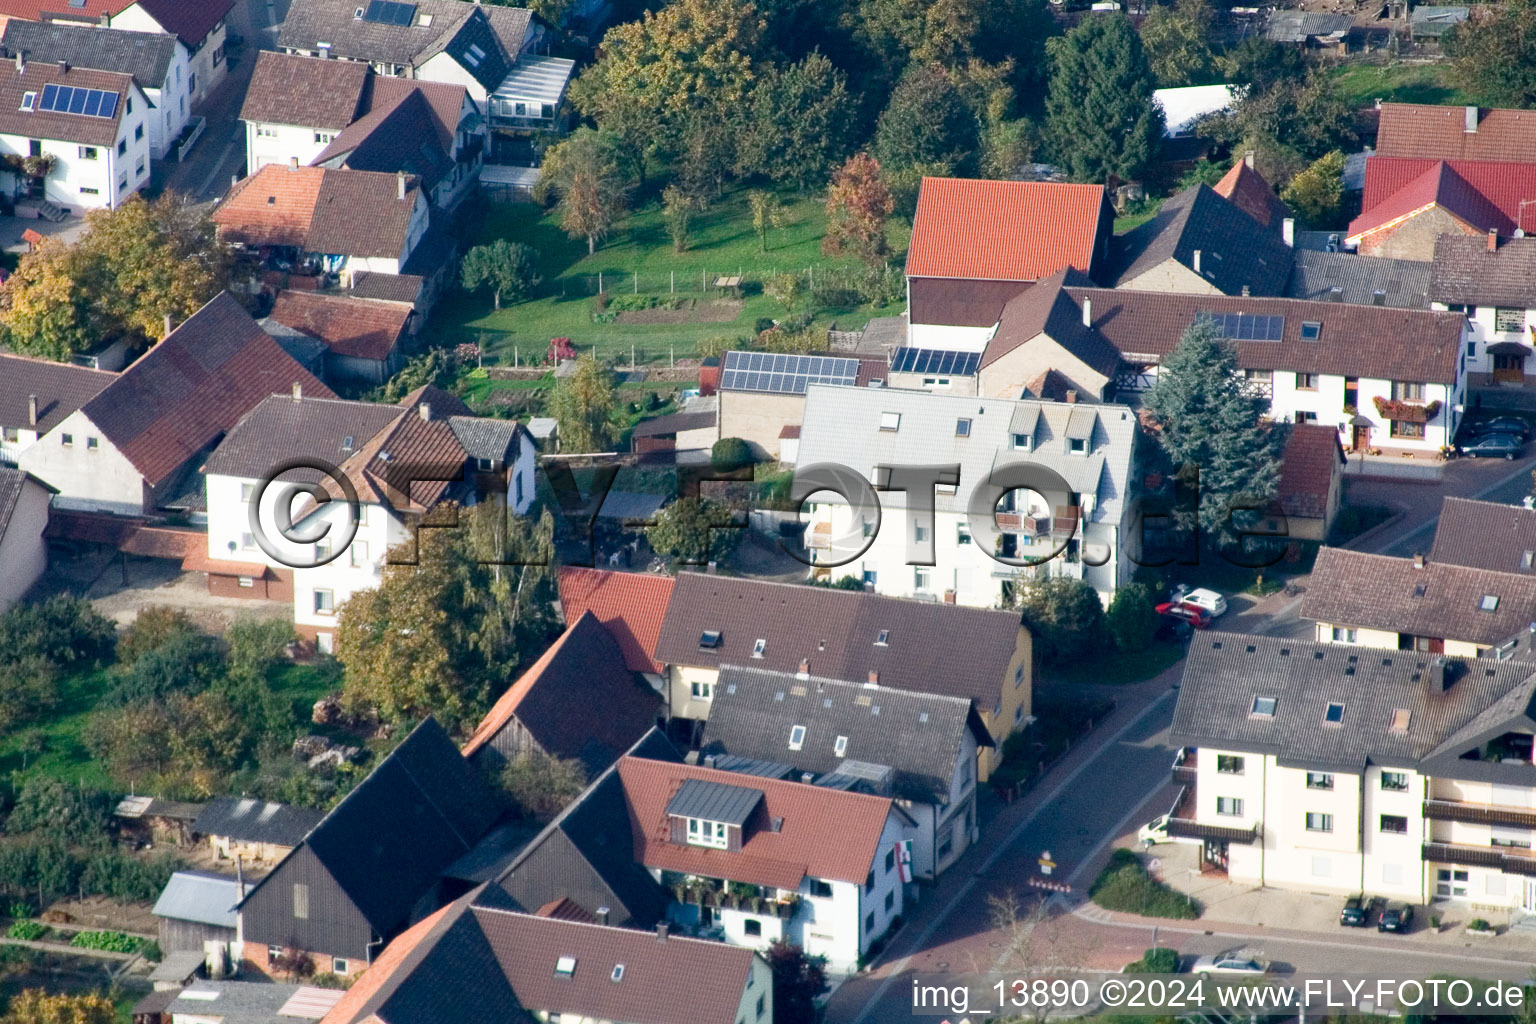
[{"x": 1394, "y": 773}]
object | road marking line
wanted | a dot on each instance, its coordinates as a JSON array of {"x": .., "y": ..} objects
[{"x": 898, "y": 966}]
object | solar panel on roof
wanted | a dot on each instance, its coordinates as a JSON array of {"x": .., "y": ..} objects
[
  {"x": 928, "y": 360},
  {"x": 390, "y": 12},
  {"x": 64, "y": 99},
  {"x": 1247, "y": 326},
  {"x": 783, "y": 374}
]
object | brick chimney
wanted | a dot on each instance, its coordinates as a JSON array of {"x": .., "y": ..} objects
[
  {"x": 874, "y": 677},
  {"x": 1493, "y": 239},
  {"x": 298, "y": 391},
  {"x": 425, "y": 412},
  {"x": 63, "y": 67},
  {"x": 293, "y": 163},
  {"x": 1418, "y": 560},
  {"x": 804, "y": 671},
  {"x": 400, "y": 184},
  {"x": 21, "y": 62},
  {"x": 661, "y": 931},
  {"x": 1071, "y": 396}
]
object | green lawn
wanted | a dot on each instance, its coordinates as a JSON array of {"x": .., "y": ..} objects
[
  {"x": 1363, "y": 84},
  {"x": 1116, "y": 667},
  {"x": 722, "y": 244},
  {"x": 65, "y": 756}
]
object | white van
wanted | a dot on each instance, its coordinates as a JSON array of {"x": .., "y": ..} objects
[{"x": 1155, "y": 832}]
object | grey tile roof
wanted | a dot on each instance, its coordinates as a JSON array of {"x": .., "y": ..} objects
[
  {"x": 714, "y": 801},
  {"x": 1299, "y": 26},
  {"x": 486, "y": 438},
  {"x": 930, "y": 648},
  {"x": 199, "y": 896},
  {"x": 1226, "y": 671},
  {"x": 1464, "y": 271},
  {"x": 1046, "y": 308},
  {"x": 235, "y": 1002},
  {"x": 310, "y": 92},
  {"x": 842, "y": 425},
  {"x": 1440, "y": 600},
  {"x": 388, "y": 287},
  {"x": 1235, "y": 250},
  {"x": 256, "y": 821},
  {"x": 144, "y": 55},
  {"x": 12, "y": 483},
  {"x": 60, "y": 389},
  {"x": 1486, "y": 535},
  {"x": 1433, "y": 21},
  {"x": 659, "y": 425},
  {"x": 433, "y": 806},
  {"x": 918, "y": 735},
  {"x": 280, "y": 429},
  {"x": 436, "y": 26},
  {"x": 1403, "y": 284}
]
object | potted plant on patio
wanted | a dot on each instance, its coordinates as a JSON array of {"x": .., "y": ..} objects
[{"x": 1478, "y": 926}]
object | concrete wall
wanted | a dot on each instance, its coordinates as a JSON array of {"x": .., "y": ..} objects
[
  {"x": 23, "y": 552},
  {"x": 757, "y": 418},
  {"x": 97, "y": 478}
]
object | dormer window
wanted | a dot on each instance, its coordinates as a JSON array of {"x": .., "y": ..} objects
[
  {"x": 709, "y": 640},
  {"x": 1077, "y": 445},
  {"x": 707, "y": 833},
  {"x": 796, "y": 737},
  {"x": 28, "y": 102},
  {"x": 758, "y": 647},
  {"x": 962, "y": 428},
  {"x": 1021, "y": 442}
]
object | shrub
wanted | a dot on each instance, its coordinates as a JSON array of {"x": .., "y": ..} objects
[
  {"x": 1132, "y": 617},
  {"x": 124, "y": 878},
  {"x": 600, "y": 301},
  {"x": 717, "y": 346},
  {"x": 255, "y": 645},
  {"x": 154, "y": 627},
  {"x": 761, "y": 324},
  {"x": 185, "y": 663},
  {"x": 114, "y": 942},
  {"x": 1161, "y": 960},
  {"x": 845, "y": 582},
  {"x": 1124, "y": 885},
  {"x": 21, "y": 909},
  {"x": 65, "y": 630},
  {"x": 27, "y": 931},
  {"x": 1477, "y": 924},
  {"x": 834, "y": 295},
  {"x": 152, "y": 952},
  {"x": 629, "y": 303},
  {"x": 730, "y": 453},
  {"x": 69, "y": 814}
]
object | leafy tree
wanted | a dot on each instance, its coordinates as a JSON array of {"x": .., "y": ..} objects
[
  {"x": 1317, "y": 193},
  {"x": 693, "y": 530},
  {"x": 36, "y": 1006},
  {"x": 767, "y": 212},
  {"x": 185, "y": 662},
  {"x": 798, "y": 979},
  {"x": 1065, "y": 615},
  {"x": 1260, "y": 64},
  {"x": 786, "y": 289},
  {"x": 1291, "y": 124},
  {"x": 65, "y": 630},
  {"x": 706, "y": 152},
  {"x": 655, "y": 73},
  {"x": 1203, "y": 172},
  {"x": 29, "y": 688},
  {"x": 68, "y": 813},
  {"x": 582, "y": 173},
  {"x": 927, "y": 125},
  {"x": 133, "y": 266},
  {"x": 952, "y": 33},
  {"x": 1493, "y": 54},
  {"x": 730, "y": 453},
  {"x": 677, "y": 209},
  {"x": 442, "y": 634},
  {"x": 1132, "y": 617},
  {"x": 1175, "y": 41},
  {"x": 257, "y": 645},
  {"x": 858, "y": 203},
  {"x": 511, "y": 269},
  {"x": 845, "y": 582},
  {"x": 152, "y": 627},
  {"x": 540, "y": 785},
  {"x": 1212, "y": 424},
  {"x": 796, "y": 127},
  {"x": 583, "y": 403},
  {"x": 1101, "y": 122}
]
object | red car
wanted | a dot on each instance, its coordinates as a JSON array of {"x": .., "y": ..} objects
[{"x": 1197, "y": 617}]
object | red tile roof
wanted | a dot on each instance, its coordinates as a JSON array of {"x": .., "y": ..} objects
[
  {"x": 1003, "y": 230},
  {"x": 1422, "y": 130},
  {"x": 274, "y": 206},
  {"x": 583, "y": 668},
  {"x": 1485, "y": 195},
  {"x": 565, "y": 909},
  {"x": 1312, "y": 457},
  {"x": 345, "y": 212},
  {"x": 826, "y": 833},
  {"x": 180, "y": 396},
  {"x": 360, "y": 328},
  {"x": 630, "y": 604},
  {"x": 1249, "y": 192},
  {"x": 62, "y": 10}
]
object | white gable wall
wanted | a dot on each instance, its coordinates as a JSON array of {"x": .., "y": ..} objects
[
  {"x": 23, "y": 551},
  {"x": 98, "y": 478}
]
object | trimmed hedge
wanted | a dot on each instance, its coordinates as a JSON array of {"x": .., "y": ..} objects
[
  {"x": 1161, "y": 960},
  {"x": 1124, "y": 885}
]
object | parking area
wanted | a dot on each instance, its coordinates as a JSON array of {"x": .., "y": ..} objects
[{"x": 1234, "y": 903}]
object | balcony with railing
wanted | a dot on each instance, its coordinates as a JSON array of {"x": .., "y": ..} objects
[
  {"x": 1480, "y": 814},
  {"x": 1511, "y": 861},
  {"x": 1185, "y": 763}
]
